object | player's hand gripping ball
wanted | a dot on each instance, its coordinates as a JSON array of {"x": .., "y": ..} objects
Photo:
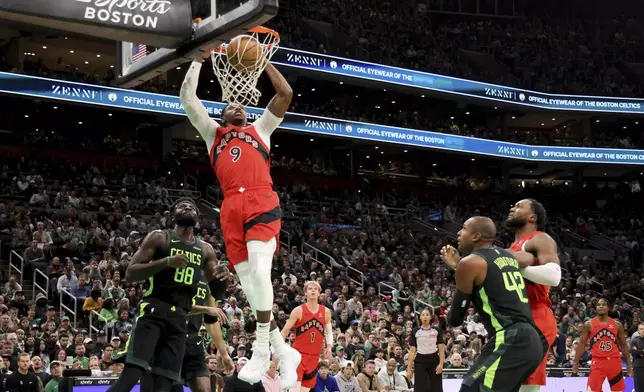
[{"x": 245, "y": 53}]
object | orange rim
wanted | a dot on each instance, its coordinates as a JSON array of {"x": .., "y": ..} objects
[{"x": 257, "y": 29}]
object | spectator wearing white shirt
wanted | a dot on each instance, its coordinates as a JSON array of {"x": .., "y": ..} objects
[
  {"x": 391, "y": 380},
  {"x": 67, "y": 282}
]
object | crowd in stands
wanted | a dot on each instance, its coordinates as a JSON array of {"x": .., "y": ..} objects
[
  {"x": 80, "y": 226},
  {"x": 553, "y": 53}
]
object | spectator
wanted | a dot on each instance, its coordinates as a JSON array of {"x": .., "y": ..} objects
[
  {"x": 271, "y": 380},
  {"x": 234, "y": 384},
  {"x": 23, "y": 380},
  {"x": 325, "y": 382},
  {"x": 67, "y": 282},
  {"x": 56, "y": 370},
  {"x": 391, "y": 380},
  {"x": 368, "y": 379},
  {"x": 11, "y": 287},
  {"x": 347, "y": 380}
]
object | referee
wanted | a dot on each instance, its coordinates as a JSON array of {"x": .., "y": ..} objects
[{"x": 426, "y": 356}]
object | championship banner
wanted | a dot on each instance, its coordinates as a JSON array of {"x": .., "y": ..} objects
[
  {"x": 158, "y": 103},
  {"x": 445, "y": 84}
]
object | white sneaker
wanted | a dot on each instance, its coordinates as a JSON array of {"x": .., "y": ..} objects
[
  {"x": 254, "y": 369},
  {"x": 288, "y": 363}
]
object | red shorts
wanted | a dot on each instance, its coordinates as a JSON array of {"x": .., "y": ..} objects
[
  {"x": 547, "y": 324},
  {"x": 307, "y": 371},
  {"x": 253, "y": 214},
  {"x": 605, "y": 368}
]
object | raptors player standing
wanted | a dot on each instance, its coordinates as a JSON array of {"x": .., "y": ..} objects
[
  {"x": 312, "y": 322},
  {"x": 537, "y": 254},
  {"x": 605, "y": 334},
  {"x": 250, "y": 213}
]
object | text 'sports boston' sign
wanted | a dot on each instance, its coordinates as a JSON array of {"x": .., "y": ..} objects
[{"x": 159, "y": 23}]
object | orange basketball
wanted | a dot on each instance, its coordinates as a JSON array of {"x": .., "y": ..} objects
[{"x": 244, "y": 53}]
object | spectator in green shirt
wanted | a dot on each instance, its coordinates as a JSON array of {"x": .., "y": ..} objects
[
  {"x": 56, "y": 371},
  {"x": 80, "y": 356}
]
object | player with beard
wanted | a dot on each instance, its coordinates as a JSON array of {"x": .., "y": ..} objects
[
  {"x": 537, "y": 255},
  {"x": 171, "y": 262}
]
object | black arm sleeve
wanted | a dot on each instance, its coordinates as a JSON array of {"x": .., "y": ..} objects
[
  {"x": 208, "y": 319},
  {"x": 460, "y": 304},
  {"x": 218, "y": 289}
]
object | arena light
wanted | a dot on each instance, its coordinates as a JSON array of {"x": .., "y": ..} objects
[
  {"x": 433, "y": 164},
  {"x": 467, "y": 113},
  {"x": 553, "y": 119},
  {"x": 277, "y": 145},
  {"x": 112, "y": 66},
  {"x": 597, "y": 120},
  {"x": 71, "y": 51},
  {"x": 312, "y": 89},
  {"x": 377, "y": 147},
  {"x": 367, "y": 156},
  {"x": 404, "y": 150},
  {"x": 341, "y": 82},
  {"x": 98, "y": 55},
  {"x": 109, "y": 114},
  {"x": 422, "y": 96},
  {"x": 451, "y": 118},
  {"x": 44, "y": 47},
  {"x": 382, "y": 152},
  {"x": 312, "y": 139},
  {"x": 514, "y": 117}
]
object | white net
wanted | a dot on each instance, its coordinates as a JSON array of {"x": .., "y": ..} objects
[{"x": 239, "y": 82}]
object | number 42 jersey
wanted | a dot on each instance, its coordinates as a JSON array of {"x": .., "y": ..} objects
[
  {"x": 175, "y": 286},
  {"x": 502, "y": 299}
]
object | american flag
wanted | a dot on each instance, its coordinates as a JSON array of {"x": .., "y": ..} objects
[{"x": 139, "y": 51}]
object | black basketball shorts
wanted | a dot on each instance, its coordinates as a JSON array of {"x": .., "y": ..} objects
[
  {"x": 158, "y": 339},
  {"x": 507, "y": 360}
]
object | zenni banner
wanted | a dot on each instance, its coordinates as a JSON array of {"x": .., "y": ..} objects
[
  {"x": 459, "y": 87},
  {"x": 158, "y": 103},
  {"x": 160, "y": 23}
]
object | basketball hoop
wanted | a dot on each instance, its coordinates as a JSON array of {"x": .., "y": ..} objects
[{"x": 238, "y": 83}]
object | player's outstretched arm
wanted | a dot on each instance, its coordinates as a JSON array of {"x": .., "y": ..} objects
[
  {"x": 197, "y": 113},
  {"x": 545, "y": 249},
  {"x": 623, "y": 342},
  {"x": 295, "y": 316},
  {"x": 277, "y": 107},
  {"x": 143, "y": 267},
  {"x": 469, "y": 270},
  {"x": 283, "y": 92},
  {"x": 581, "y": 347}
]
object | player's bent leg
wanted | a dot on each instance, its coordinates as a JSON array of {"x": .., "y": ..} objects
[
  {"x": 128, "y": 379},
  {"x": 244, "y": 274}
]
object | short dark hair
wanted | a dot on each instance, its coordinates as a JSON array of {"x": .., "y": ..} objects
[
  {"x": 538, "y": 209},
  {"x": 223, "y": 122},
  {"x": 323, "y": 364}
]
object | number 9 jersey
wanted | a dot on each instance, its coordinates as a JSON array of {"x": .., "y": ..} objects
[{"x": 175, "y": 286}]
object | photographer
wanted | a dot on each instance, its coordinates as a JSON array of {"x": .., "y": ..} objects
[{"x": 23, "y": 380}]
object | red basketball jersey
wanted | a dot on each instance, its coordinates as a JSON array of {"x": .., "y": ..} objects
[
  {"x": 309, "y": 331},
  {"x": 603, "y": 339},
  {"x": 537, "y": 293},
  {"x": 240, "y": 158}
]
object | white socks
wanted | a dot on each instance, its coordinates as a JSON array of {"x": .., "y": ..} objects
[
  {"x": 263, "y": 338},
  {"x": 277, "y": 341}
]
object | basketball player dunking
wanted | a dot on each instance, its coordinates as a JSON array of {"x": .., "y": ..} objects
[
  {"x": 250, "y": 213},
  {"x": 308, "y": 320},
  {"x": 537, "y": 255}
]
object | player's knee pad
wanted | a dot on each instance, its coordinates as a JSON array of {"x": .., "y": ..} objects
[
  {"x": 245, "y": 276},
  {"x": 260, "y": 258}
]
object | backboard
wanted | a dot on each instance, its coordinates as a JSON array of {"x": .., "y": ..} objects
[{"x": 221, "y": 21}]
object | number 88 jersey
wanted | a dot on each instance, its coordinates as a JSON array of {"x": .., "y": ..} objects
[
  {"x": 175, "y": 286},
  {"x": 603, "y": 339}
]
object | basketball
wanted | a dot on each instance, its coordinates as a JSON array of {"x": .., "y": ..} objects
[{"x": 244, "y": 53}]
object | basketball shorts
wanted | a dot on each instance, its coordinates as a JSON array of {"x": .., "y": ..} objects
[
  {"x": 194, "y": 360},
  {"x": 251, "y": 214},
  {"x": 506, "y": 360},
  {"x": 307, "y": 371},
  {"x": 545, "y": 320},
  {"x": 606, "y": 368},
  {"x": 158, "y": 339}
]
